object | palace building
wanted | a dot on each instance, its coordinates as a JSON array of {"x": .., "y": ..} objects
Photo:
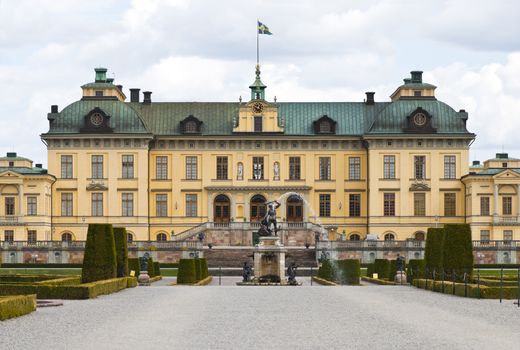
[{"x": 170, "y": 170}]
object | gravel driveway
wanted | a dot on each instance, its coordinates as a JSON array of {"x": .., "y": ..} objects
[{"x": 306, "y": 317}]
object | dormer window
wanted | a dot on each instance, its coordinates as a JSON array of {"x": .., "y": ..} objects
[
  {"x": 191, "y": 125},
  {"x": 11, "y": 164},
  {"x": 325, "y": 125},
  {"x": 99, "y": 93},
  {"x": 417, "y": 93}
]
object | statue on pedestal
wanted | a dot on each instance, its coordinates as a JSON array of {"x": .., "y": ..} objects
[
  {"x": 268, "y": 224},
  {"x": 246, "y": 272},
  {"x": 291, "y": 272}
]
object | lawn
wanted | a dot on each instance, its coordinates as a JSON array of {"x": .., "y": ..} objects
[{"x": 64, "y": 271}]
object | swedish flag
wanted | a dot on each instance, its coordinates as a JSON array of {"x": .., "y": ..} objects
[{"x": 262, "y": 29}]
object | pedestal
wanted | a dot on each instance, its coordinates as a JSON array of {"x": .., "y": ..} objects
[{"x": 269, "y": 257}]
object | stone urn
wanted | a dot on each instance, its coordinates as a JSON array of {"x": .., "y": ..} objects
[
  {"x": 400, "y": 277},
  {"x": 143, "y": 279}
]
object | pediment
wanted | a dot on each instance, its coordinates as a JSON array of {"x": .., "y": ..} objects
[
  {"x": 507, "y": 174},
  {"x": 419, "y": 121},
  {"x": 96, "y": 121},
  {"x": 96, "y": 186},
  {"x": 10, "y": 174},
  {"x": 419, "y": 187}
]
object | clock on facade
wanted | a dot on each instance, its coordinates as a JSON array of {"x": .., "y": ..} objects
[
  {"x": 96, "y": 119},
  {"x": 257, "y": 107},
  {"x": 419, "y": 119}
]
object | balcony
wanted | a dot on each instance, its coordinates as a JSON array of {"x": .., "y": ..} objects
[
  {"x": 11, "y": 220},
  {"x": 505, "y": 220}
]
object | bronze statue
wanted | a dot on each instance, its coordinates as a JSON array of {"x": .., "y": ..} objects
[
  {"x": 269, "y": 220},
  {"x": 291, "y": 272},
  {"x": 246, "y": 272}
]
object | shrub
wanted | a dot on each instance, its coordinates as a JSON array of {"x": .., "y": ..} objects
[
  {"x": 151, "y": 270},
  {"x": 415, "y": 269},
  {"x": 433, "y": 249},
  {"x": 198, "y": 269},
  {"x": 14, "y": 306},
  {"x": 348, "y": 271},
  {"x": 187, "y": 272},
  {"x": 326, "y": 271},
  {"x": 382, "y": 268},
  {"x": 371, "y": 269},
  {"x": 99, "y": 262},
  {"x": 156, "y": 268},
  {"x": 131, "y": 282},
  {"x": 204, "y": 267},
  {"x": 457, "y": 251},
  {"x": 120, "y": 241},
  {"x": 133, "y": 265}
]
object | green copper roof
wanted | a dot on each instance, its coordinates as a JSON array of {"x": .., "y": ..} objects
[
  {"x": 123, "y": 118},
  {"x": 98, "y": 85},
  {"x": 11, "y": 159},
  {"x": 24, "y": 171}
]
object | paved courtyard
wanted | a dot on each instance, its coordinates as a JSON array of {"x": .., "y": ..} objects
[{"x": 230, "y": 317}]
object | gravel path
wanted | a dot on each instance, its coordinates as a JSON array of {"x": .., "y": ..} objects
[{"x": 230, "y": 317}]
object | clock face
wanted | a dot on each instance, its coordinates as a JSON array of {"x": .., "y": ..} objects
[
  {"x": 257, "y": 107},
  {"x": 96, "y": 119},
  {"x": 419, "y": 119}
]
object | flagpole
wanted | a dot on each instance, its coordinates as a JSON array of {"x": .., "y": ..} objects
[{"x": 257, "y": 46}]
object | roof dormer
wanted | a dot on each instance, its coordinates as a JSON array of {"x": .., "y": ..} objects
[
  {"x": 414, "y": 89},
  {"x": 102, "y": 88}
]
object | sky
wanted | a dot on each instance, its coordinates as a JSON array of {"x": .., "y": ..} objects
[{"x": 205, "y": 50}]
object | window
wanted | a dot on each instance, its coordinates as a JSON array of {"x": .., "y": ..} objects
[
  {"x": 417, "y": 93},
  {"x": 32, "y": 206},
  {"x": 9, "y": 236},
  {"x": 354, "y": 237},
  {"x": 508, "y": 235},
  {"x": 191, "y": 168},
  {"x": 222, "y": 168},
  {"x": 507, "y": 205},
  {"x": 258, "y": 124},
  {"x": 419, "y": 204},
  {"x": 324, "y": 205},
  {"x": 97, "y": 204},
  {"x": 354, "y": 201},
  {"x": 97, "y": 167},
  {"x": 325, "y": 127},
  {"x": 9, "y": 205},
  {"x": 129, "y": 238},
  {"x": 484, "y": 235},
  {"x": 66, "y": 204},
  {"x": 324, "y": 168},
  {"x": 419, "y": 167},
  {"x": 504, "y": 165},
  {"x": 294, "y": 168},
  {"x": 450, "y": 208},
  {"x": 258, "y": 168},
  {"x": 127, "y": 204},
  {"x": 31, "y": 236},
  {"x": 99, "y": 93},
  {"x": 484, "y": 205},
  {"x": 191, "y": 127},
  {"x": 449, "y": 167},
  {"x": 161, "y": 167},
  {"x": 161, "y": 205},
  {"x": 128, "y": 167},
  {"x": 66, "y": 237},
  {"x": 191, "y": 205},
  {"x": 354, "y": 168},
  {"x": 389, "y": 237},
  {"x": 389, "y": 167},
  {"x": 389, "y": 204},
  {"x": 66, "y": 167},
  {"x": 161, "y": 237}
]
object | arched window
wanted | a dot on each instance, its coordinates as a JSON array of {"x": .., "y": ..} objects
[
  {"x": 354, "y": 237},
  {"x": 66, "y": 237},
  {"x": 129, "y": 237},
  {"x": 389, "y": 237},
  {"x": 258, "y": 208},
  {"x": 161, "y": 237},
  {"x": 221, "y": 209},
  {"x": 294, "y": 209},
  {"x": 419, "y": 236}
]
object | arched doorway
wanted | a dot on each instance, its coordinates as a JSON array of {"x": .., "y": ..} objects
[
  {"x": 161, "y": 237},
  {"x": 258, "y": 208},
  {"x": 66, "y": 237},
  {"x": 389, "y": 237},
  {"x": 294, "y": 209},
  {"x": 419, "y": 236},
  {"x": 221, "y": 209},
  {"x": 354, "y": 237}
]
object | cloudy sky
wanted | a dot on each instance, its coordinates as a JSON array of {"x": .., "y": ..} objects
[{"x": 326, "y": 50}]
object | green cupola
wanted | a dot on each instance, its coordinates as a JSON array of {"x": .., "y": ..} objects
[{"x": 257, "y": 88}]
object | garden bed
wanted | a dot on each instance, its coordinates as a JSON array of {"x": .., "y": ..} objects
[
  {"x": 17, "y": 305},
  {"x": 379, "y": 281},
  {"x": 323, "y": 281},
  {"x": 469, "y": 290}
]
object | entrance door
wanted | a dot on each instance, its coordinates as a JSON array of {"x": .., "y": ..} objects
[
  {"x": 294, "y": 209},
  {"x": 222, "y": 209},
  {"x": 258, "y": 208}
]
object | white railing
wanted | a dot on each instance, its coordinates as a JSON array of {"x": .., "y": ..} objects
[
  {"x": 505, "y": 220},
  {"x": 11, "y": 219}
]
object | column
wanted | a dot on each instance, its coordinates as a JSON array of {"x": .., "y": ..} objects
[
  {"x": 20, "y": 200},
  {"x": 495, "y": 201},
  {"x": 518, "y": 202}
]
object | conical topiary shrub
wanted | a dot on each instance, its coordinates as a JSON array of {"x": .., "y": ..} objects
[
  {"x": 99, "y": 261},
  {"x": 120, "y": 241}
]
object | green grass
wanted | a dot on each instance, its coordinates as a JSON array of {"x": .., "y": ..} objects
[
  {"x": 168, "y": 272},
  {"x": 495, "y": 273},
  {"x": 33, "y": 271}
]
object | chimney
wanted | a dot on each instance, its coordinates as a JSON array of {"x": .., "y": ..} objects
[
  {"x": 370, "y": 97},
  {"x": 134, "y": 95},
  {"x": 11, "y": 154},
  {"x": 502, "y": 156},
  {"x": 110, "y": 80},
  {"x": 101, "y": 75},
  {"x": 476, "y": 162},
  {"x": 416, "y": 76},
  {"x": 54, "y": 109},
  {"x": 38, "y": 165},
  {"x": 147, "y": 97}
]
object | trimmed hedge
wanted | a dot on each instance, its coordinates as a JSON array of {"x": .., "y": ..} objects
[
  {"x": 326, "y": 271},
  {"x": 494, "y": 266},
  {"x": 204, "y": 267},
  {"x": 472, "y": 290},
  {"x": 198, "y": 270},
  {"x": 348, "y": 271},
  {"x": 378, "y": 281},
  {"x": 157, "y": 268},
  {"x": 99, "y": 262},
  {"x": 40, "y": 266},
  {"x": 433, "y": 249},
  {"x": 121, "y": 244},
  {"x": 187, "y": 272},
  {"x": 150, "y": 267},
  {"x": 131, "y": 282},
  {"x": 371, "y": 269},
  {"x": 79, "y": 291},
  {"x": 14, "y": 306},
  {"x": 457, "y": 250},
  {"x": 382, "y": 268},
  {"x": 54, "y": 280},
  {"x": 133, "y": 265},
  {"x": 415, "y": 269}
]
